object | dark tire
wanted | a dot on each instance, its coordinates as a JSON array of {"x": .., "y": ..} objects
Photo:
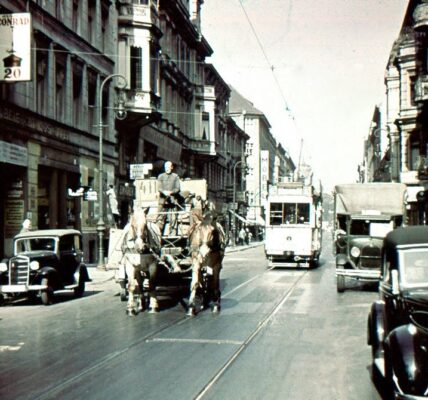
[
  {"x": 80, "y": 288},
  {"x": 47, "y": 295},
  {"x": 340, "y": 280},
  {"x": 2, "y": 300}
]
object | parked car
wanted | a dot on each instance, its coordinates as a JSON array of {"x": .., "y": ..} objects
[
  {"x": 44, "y": 261},
  {"x": 398, "y": 321}
]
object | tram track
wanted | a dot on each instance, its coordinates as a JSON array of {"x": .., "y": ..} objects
[
  {"x": 249, "y": 339},
  {"x": 52, "y": 391}
]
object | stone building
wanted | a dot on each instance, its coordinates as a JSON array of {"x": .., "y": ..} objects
[
  {"x": 261, "y": 154},
  {"x": 407, "y": 109},
  {"x": 49, "y": 136}
]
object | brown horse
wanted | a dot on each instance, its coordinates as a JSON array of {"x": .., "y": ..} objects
[
  {"x": 207, "y": 243},
  {"x": 140, "y": 247}
]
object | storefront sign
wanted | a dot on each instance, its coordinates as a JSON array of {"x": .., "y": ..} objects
[
  {"x": 13, "y": 216},
  {"x": 139, "y": 171},
  {"x": 13, "y": 154},
  {"x": 264, "y": 167},
  {"x": 15, "y": 47}
]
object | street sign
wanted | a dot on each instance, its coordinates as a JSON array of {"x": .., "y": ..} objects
[
  {"x": 15, "y": 47},
  {"x": 90, "y": 195},
  {"x": 138, "y": 171}
]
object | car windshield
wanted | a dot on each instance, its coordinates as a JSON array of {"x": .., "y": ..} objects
[
  {"x": 370, "y": 228},
  {"x": 414, "y": 267},
  {"x": 32, "y": 244}
]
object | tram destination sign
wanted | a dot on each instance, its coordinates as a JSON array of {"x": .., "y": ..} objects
[{"x": 15, "y": 47}]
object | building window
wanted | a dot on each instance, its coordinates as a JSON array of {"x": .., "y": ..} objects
[
  {"x": 136, "y": 68},
  {"x": 105, "y": 38},
  {"x": 414, "y": 153},
  {"x": 205, "y": 126},
  {"x": 76, "y": 19},
  {"x": 412, "y": 81},
  {"x": 77, "y": 92},
  {"x": 91, "y": 20},
  {"x": 42, "y": 63},
  {"x": 92, "y": 90},
  {"x": 59, "y": 90}
]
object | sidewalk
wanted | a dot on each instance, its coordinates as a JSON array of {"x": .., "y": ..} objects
[{"x": 102, "y": 275}]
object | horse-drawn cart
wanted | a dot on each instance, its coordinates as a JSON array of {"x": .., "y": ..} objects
[{"x": 167, "y": 238}]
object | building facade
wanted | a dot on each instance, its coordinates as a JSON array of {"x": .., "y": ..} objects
[{"x": 49, "y": 136}]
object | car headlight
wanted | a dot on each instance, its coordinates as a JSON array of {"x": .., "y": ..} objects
[
  {"x": 34, "y": 265},
  {"x": 3, "y": 267},
  {"x": 355, "y": 252}
]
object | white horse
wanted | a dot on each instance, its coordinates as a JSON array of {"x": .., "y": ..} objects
[{"x": 140, "y": 246}]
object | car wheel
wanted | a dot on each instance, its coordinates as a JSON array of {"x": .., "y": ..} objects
[
  {"x": 1, "y": 299},
  {"x": 47, "y": 294},
  {"x": 80, "y": 288},
  {"x": 340, "y": 280}
]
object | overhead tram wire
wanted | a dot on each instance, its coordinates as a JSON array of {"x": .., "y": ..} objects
[{"x": 271, "y": 66}]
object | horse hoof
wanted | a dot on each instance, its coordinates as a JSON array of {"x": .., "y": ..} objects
[
  {"x": 191, "y": 312},
  {"x": 216, "y": 309},
  {"x": 131, "y": 313},
  {"x": 153, "y": 310}
]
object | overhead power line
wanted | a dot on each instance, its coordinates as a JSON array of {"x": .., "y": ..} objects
[{"x": 271, "y": 66}]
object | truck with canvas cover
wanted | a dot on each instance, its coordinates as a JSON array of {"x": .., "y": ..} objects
[
  {"x": 293, "y": 225},
  {"x": 363, "y": 214}
]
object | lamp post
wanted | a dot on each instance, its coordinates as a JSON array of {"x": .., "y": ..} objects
[
  {"x": 120, "y": 114},
  {"x": 233, "y": 203}
]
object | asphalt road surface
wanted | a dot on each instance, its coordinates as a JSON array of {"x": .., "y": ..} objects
[{"x": 282, "y": 334}]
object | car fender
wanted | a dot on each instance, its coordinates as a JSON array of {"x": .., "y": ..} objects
[
  {"x": 82, "y": 271},
  {"x": 51, "y": 274},
  {"x": 407, "y": 351},
  {"x": 342, "y": 260},
  {"x": 376, "y": 327}
]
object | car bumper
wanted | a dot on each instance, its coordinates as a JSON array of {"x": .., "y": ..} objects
[
  {"x": 21, "y": 288},
  {"x": 399, "y": 396},
  {"x": 369, "y": 275}
]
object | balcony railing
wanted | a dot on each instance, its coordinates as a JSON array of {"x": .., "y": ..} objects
[
  {"x": 206, "y": 147},
  {"x": 139, "y": 13}
]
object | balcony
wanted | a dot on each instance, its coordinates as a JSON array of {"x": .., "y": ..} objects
[
  {"x": 202, "y": 147},
  {"x": 137, "y": 14},
  {"x": 143, "y": 102},
  {"x": 421, "y": 88}
]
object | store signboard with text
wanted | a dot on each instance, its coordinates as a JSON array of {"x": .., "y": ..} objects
[{"x": 15, "y": 47}]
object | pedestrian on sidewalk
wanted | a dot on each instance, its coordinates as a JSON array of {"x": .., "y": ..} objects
[{"x": 242, "y": 235}]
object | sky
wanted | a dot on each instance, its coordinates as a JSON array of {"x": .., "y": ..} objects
[{"x": 315, "y": 68}]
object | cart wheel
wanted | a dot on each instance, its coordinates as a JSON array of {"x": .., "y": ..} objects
[{"x": 340, "y": 283}]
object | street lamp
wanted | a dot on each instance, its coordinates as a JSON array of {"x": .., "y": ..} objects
[
  {"x": 233, "y": 202},
  {"x": 120, "y": 114}
]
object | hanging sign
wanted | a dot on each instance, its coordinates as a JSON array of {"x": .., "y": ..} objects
[{"x": 15, "y": 47}]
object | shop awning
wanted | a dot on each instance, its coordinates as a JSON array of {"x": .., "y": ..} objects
[{"x": 259, "y": 220}]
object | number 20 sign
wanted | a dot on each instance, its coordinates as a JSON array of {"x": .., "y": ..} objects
[{"x": 15, "y": 47}]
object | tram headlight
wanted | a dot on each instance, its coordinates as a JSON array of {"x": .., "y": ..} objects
[
  {"x": 355, "y": 252},
  {"x": 3, "y": 267}
]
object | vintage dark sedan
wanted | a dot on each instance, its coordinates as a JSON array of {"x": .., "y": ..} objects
[
  {"x": 398, "y": 321},
  {"x": 44, "y": 261}
]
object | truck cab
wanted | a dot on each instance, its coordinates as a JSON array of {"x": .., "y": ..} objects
[{"x": 364, "y": 214}]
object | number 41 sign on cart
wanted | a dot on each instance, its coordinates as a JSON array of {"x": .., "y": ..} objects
[{"x": 15, "y": 47}]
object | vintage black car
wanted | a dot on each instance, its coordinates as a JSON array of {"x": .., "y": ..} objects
[
  {"x": 398, "y": 321},
  {"x": 44, "y": 261}
]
